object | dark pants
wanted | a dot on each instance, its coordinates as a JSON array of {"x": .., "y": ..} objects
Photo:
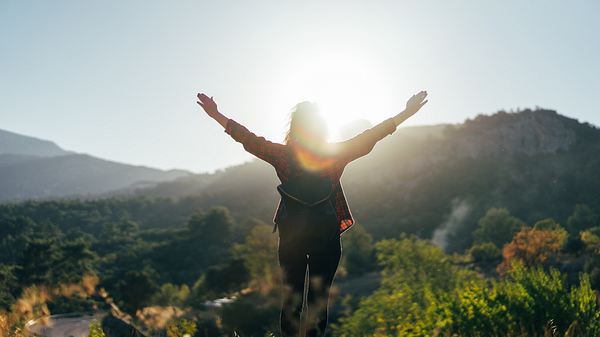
[{"x": 322, "y": 257}]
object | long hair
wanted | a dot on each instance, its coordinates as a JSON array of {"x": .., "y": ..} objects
[
  {"x": 307, "y": 135},
  {"x": 306, "y": 126}
]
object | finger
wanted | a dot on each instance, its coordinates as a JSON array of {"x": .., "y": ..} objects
[
  {"x": 424, "y": 102},
  {"x": 200, "y": 104}
]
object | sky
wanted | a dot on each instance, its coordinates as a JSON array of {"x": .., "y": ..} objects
[{"x": 118, "y": 79}]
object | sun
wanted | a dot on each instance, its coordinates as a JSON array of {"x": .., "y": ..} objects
[{"x": 344, "y": 86}]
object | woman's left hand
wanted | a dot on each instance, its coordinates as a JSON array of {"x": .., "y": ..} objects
[{"x": 416, "y": 102}]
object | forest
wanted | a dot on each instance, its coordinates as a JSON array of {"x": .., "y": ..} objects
[{"x": 517, "y": 279}]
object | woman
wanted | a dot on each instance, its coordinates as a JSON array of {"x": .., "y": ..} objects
[{"x": 309, "y": 232}]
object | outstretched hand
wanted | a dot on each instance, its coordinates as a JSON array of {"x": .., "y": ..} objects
[
  {"x": 208, "y": 104},
  {"x": 416, "y": 102}
]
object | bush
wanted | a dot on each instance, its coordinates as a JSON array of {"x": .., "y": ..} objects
[
  {"x": 485, "y": 253},
  {"x": 424, "y": 294}
]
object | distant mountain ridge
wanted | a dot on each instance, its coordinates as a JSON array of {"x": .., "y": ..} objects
[
  {"x": 32, "y": 168},
  {"x": 14, "y": 143}
]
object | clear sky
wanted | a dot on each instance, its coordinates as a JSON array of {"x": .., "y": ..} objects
[{"x": 117, "y": 79}]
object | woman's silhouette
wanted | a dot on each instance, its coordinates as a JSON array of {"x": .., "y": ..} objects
[{"x": 312, "y": 213}]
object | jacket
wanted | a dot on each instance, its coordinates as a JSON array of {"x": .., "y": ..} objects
[{"x": 332, "y": 162}]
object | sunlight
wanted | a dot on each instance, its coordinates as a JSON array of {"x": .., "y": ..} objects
[{"x": 344, "y": 85}]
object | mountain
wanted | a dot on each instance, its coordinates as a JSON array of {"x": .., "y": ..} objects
[
  {"x": 32, "y": 168},
  {"x": 537, "y": 163},
  {"x": 14, "y": 143}
]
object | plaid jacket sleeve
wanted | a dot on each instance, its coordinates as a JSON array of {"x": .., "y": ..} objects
[
  {"x": 363, "y": 143},
  {"x": 268, "y": 151}
]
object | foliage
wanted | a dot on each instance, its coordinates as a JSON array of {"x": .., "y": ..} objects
[
  {"x": 533, "y": 247},
  {"x": 259, "y": 253},
  {"x": 547, "y": 224},
  {"x": 198, "y": 294},
  {"x": 170, "y": 294},
  {"x": 226, "y": 278},
  {"x": 182, "y": 252},
  {"x": 497, "y": 226},
  {"x": 358, "y": 252},
  {"x": 485, "y": 254},
  {"x": 416, "y": 302},
  {"x": 8, "y": 286},
  {"x": 583, "y": 217},
  {"x": 96, "y": 329},
  {"x": 417, "y": 278},
  {"x": 525, "y": 303},
  {"x": 137, "y": 289},
  {"x": 181, "y": 328}
]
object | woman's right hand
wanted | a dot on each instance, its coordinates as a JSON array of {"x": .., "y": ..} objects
[{"x": 208, "y": 104}]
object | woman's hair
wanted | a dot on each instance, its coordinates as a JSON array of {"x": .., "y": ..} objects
[{"x": 306, "y": 126}]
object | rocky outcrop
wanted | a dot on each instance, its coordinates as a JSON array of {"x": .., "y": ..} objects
[{"x": 528, "y": 132}]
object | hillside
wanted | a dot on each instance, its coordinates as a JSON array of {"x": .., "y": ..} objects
[
  {"x": 536, "y": 163},
  {"x": 31, "y": 168}
]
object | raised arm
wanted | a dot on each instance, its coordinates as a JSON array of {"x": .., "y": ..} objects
[
  {"x": 258, "y": 146},
  {"x": 363, "y": 143}
]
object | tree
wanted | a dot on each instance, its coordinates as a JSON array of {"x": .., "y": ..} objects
[
  {"x": 76, "y": 260},
  {"x": 547, "y": 224},
  {"x": 497, "y": 226},
  {"x": 205, "y": 242},
  {"x": 37, "y": 262},
  {"x": 485, "y": 254},
  {"x": 137, "y": 289},
  {"x": 259, "y": 253},
  {"x": 8, "y": 286},
  {"x": 213, "y": 227},
  {"x": 223, "y": 279},
  {"x": 198, "y": 294},
  {"x": 583, "y": 217},
  {"x": 170, "y": 294},
  {"x": 532, "y": 247},
  {"x": 359, "y": 252}
]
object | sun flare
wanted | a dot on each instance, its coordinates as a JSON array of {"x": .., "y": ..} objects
[{"x": 344, "y": 86}]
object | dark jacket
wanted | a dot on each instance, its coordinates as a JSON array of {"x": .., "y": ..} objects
[{"x": 331, "y": 163}]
